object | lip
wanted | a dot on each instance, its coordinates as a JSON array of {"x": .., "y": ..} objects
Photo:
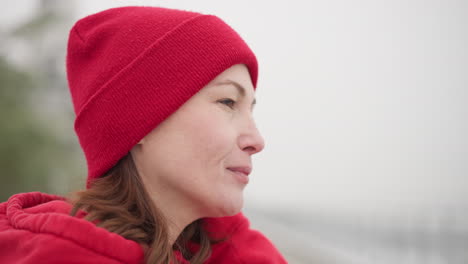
[
  {"x": 245, "y": 170},
  {"x": 241, "y": 173}
]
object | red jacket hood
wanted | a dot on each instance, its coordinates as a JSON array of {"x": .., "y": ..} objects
[{"x": 37, "y": 228}]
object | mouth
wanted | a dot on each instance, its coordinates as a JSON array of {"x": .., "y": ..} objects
[
  {"x": 244, "y": 169},
  {"x": 241, "y": 174}
]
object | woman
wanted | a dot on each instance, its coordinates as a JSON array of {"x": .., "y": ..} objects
[{"x": 163, "y": 101}]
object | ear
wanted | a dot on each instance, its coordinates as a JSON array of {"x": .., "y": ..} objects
[
  {"x": 137, "y": 146},
  {"x": 143, "y": 140}
]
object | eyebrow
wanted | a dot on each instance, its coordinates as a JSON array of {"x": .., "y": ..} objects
[{"x": 239, "y": 87}]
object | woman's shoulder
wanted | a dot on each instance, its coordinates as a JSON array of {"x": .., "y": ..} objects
[
  {"x": 33, "y": 203},
  {"x": 37, "y": 226}
]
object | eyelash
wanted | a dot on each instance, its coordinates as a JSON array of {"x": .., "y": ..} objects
[{"x": 228, "y": 102}]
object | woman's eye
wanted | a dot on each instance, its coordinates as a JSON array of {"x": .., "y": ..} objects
[{"x": 228, "y": 102}]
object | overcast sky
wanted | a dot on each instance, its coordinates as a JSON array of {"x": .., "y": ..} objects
[{"x": 362, "y": 104}]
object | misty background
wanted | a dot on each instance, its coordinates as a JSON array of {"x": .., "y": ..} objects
[{"x": 362, "y": 104}]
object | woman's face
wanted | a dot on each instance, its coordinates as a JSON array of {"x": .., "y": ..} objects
[{"x": 185, "y": 162}]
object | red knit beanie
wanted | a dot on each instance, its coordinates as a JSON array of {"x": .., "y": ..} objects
[{"x": 129, "y": 68}]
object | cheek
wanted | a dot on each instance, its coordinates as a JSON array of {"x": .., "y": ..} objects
[
  {"x": 211, "y": 137},
  {"x": 194, "y": 146},
  {"x": 188, "y": 158}
]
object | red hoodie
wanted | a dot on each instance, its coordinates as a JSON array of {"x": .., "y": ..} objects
[{"x": 37, "y": 228}]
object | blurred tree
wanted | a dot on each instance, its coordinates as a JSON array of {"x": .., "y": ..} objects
[
  {"x": 38, "y": 149},
  {"x": 24, "y": 142}
]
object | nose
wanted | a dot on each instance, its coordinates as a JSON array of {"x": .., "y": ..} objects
[{"x": 250, "y": 140}]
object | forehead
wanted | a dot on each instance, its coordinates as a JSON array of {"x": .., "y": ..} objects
[
  {"x": 227, "y": 82},
  {"x": 237, "y": 75}
]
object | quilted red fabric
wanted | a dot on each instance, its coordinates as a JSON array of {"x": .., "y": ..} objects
[{"x": 36, "y": 228}]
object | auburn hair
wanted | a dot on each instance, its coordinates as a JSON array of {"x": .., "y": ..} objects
[{"x": 118, "y": 202}]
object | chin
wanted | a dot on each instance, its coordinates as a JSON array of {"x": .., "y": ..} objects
[
  {"x": 229, "y": 208},
  {"x": 232, "y": 208},
  {"x": 231, "y": 212}
]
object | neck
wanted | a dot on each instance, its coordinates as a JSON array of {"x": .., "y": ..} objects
[{"x": 176, "y": 213}]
